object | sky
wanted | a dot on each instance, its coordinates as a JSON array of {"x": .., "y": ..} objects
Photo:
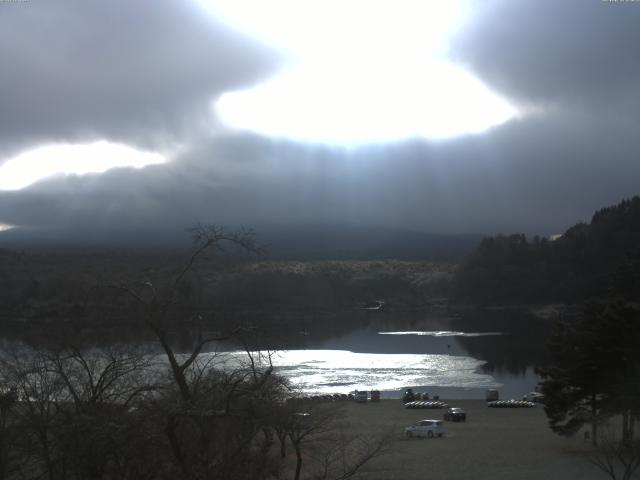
[{"x": 467, "y": 116}]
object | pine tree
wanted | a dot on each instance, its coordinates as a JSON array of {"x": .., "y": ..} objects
[{"x": 595, "y": 369}]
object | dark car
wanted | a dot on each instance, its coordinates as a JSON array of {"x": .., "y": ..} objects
[
  {"x": 408, "y": 396},
  {"x": 455, "y": 415}
]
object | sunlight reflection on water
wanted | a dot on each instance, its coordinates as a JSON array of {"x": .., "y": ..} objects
[
  {"x": 443, "y": 333},
  {"x": 341, "y": 371}
]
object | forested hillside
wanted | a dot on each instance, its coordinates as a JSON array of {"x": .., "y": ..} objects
[
  {"x": 58, "y": 288},
  {"x": 597, "y": 259}
]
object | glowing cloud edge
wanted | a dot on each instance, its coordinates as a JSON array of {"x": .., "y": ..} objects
[{"x": 49, "y": 161}]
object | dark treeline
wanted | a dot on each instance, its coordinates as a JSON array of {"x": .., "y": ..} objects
[
  {"x": 40, "y": 291},
  {"x": 588, "y": 260}
]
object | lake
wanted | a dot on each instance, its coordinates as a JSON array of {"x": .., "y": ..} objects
[
  {"x": 451, "y": 353},
  {"x": 453, "y": 356}
]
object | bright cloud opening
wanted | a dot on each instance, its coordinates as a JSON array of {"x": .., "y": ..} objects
[
  {"x": 330, "y": 29},
  {"x": 361, "y": 71},
  {"x": 48, "y": 161},
  {"x": 371, "y": 104},
  {"x": 4, "y": 227}
]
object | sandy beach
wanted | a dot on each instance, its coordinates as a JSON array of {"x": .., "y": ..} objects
[{"x": 492, "y": 444}]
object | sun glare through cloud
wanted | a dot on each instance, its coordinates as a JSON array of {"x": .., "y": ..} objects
[
  {"x": 311, "y": 29},
  {"x": 431, "y": 99},
  {"x": 48, "y": 161},
  {"x": 359, "y": 72}
]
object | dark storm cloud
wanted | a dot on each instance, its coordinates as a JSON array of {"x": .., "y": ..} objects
[
  {"x": 538, "y": 176},
  {"x": 572, "y": 62},
  {"x": 140, "y": 72},
  {"x": 579, "y": 53}
]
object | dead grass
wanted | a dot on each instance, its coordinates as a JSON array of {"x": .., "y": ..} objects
[{"x": 493, "y": 444}]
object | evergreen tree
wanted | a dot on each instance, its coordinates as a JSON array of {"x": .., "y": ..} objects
[
  {"x": 587, "y": 261},
  {"x": 595, "y": 369}
]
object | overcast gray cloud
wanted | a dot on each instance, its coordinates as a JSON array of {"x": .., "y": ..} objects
[
  {"x": 139, "y": 72},
  {"x": 145, "y": 75},
  {"x": 573, "y": 53}
]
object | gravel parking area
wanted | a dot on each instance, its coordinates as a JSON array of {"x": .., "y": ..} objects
[{"x": 494, "y": 443}]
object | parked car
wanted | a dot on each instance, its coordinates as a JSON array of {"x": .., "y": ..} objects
[
  {"x": 360, "y": 396},
  {"x": 425, "y": 428},
  {"x": 455, "y": 414}
]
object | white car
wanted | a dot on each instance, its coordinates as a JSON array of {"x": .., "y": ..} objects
[{"x": 425, "y": 428}]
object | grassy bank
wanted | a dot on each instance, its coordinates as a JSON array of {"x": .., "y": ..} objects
[{"x": 513, "y": 444}]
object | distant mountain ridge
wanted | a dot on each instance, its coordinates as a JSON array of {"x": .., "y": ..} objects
[
  {"x": 601, "y": 258},
  {"x": 284, "y": 242},
  {"x": 335, "y": 242}
]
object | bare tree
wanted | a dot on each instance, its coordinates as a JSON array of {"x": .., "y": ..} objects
[
  {"x": 213, "y": 414},
  {"x": 325, "y": 446},
  {"x": 158, "y": 302},
  {"x": 8, "y": 433},
  {"x": 27, "y": 374},
  {"x": 72, "y": 407},
  {"x": 617, "y": 459},
  {"x": 345, "y": 455},
  {"x": 105, "y": 376},
  {"x": 303, "y": 426},
  {"x": 120, "y": 414}
]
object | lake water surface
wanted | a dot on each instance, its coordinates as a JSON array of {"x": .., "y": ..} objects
[{"x": 450, "y": 356}]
